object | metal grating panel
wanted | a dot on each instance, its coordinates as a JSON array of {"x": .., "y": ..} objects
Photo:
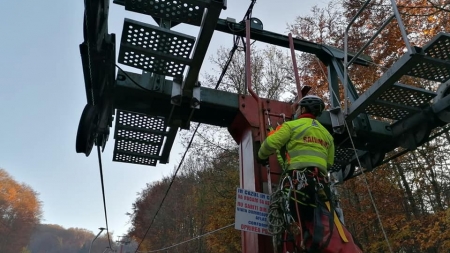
[
  {"x": 344, "y": 154},
  {"x": 437, "y": 48},
  {"x": 386, "y": 112},
  {"x": 122, "y": 134},
  {"x": 134, "y": 159},
  {"x": 342, "y": 157},
  {"x": 140, "y": 121},
  {"x": 137, "y": 147},
  {"x": 182, "y": 11},
  {"x": 400, "y": 95},
  {"x": 154, "y": 49},
  {"x": 430, "y": 71},
  {"x": 407, "y": 95},
  {"x": 139, "y": 138}
]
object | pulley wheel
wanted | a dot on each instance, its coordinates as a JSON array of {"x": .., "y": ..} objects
[
  {"x": 442, "y": 92},
  {"x": 86, "y": 130},
  {"x": 372, "y": 159},
  {"x": 348, "y": 171}
]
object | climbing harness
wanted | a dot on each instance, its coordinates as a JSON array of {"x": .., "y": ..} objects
[
  {"x": 307, "y": 188},
  {"x": 302, "y": 215}
]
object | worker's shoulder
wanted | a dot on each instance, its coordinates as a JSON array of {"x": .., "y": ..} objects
[
  {"x": 326, "y": 133},
  {"x": 294, "y": 123}
]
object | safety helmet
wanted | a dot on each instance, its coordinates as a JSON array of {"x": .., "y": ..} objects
[{"x": 313, "y": 104}]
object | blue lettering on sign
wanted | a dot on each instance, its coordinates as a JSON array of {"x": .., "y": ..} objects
[
  {"x": 260, "y": 218},
  {"x": 242, "y": 210},
  {"x": 258, "y": 213},
  {"x": 259, "y": 224}
]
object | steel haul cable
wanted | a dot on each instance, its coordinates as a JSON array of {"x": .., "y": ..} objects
[
  {"x": 170, "y": 185},
  {"x": 103, "y": 193}
]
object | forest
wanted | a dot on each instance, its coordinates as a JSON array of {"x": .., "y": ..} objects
[
  {"x": 411, "y": 193},
  {"x": 21, "y": 230}
]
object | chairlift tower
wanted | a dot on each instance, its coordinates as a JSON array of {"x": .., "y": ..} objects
[{"x": 151, "y": 107}]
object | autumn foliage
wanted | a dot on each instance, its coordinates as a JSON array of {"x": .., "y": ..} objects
[
  {"x": 20, "y": 212},
  {"x": 200, "y": 200}
]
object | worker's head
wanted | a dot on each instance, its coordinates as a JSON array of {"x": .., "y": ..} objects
[{"x": 311, "y": 104}]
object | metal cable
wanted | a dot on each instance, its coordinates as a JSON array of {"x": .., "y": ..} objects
[
  {"x": 103, "y": 192},
  {"x": 225, "y": 68},
  {"x": 170, "y": 185},
  {"x": 198, "y": 237},
  {"x": 368, "y": 189},
  {"x": 364, "y": 175}
]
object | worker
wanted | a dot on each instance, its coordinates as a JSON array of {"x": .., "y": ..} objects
[
  {"x": 308, "y": 143},
  {"x": 308, "y": 153}
]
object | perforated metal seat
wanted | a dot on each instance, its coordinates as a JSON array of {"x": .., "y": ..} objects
[
  {"x": 436, "y": 64},
  {"x": 154, "y": 49},
  {"x": 139, "y": 138},
  {"x": 179, "y": 11},
  {"x": 389, "y": 99},
  {"x": 399, "y": 101}
]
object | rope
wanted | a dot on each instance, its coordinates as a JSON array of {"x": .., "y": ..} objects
[
  {"x": 275, "y": 217},
  {"x": 368, "y": 190},
  {"x": 198, "y": 237},
  {"x": 364, "y": 175}
]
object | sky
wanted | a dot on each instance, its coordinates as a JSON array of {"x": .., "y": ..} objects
[{"x": 42, "y": 96}]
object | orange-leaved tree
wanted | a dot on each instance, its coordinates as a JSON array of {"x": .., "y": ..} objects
[{"x": 20, "y": 212}]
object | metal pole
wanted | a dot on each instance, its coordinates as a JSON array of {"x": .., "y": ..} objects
[
  {"x": 294, "y": 63},
  {"x": 346, "y": 54},
  {"x": 401, "y": 25},
  {"x": 101, "y": 230},
  {"x": 355, "y": 57},
  {"x": 248, "y": 78}
]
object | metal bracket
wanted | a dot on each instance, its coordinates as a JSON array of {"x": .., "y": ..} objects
[
  {"x": 256, "y": 24},
  {"x": 442, "y": 92},
  {"x": 148, "y": 81},
  {"x": 195, "y": 100},
  {"x": 176, "y": 92},
  {"x": 337, "y": 120}
]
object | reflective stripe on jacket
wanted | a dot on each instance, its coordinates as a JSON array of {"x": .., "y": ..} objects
[{"x": 308, "y": 144}]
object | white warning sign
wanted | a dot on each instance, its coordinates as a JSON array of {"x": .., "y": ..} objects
[{"x": 252, "y": 209}]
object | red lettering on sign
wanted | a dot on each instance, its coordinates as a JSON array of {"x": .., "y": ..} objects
[{"x": 250, "y": 228}]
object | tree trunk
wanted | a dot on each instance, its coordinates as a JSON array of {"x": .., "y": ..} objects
[{"x": 409, "y": 193}]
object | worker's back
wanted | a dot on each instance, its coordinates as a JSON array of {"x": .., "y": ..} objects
[{"x": 310, "y": 145}]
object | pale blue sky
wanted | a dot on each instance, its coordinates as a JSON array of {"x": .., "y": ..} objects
[{"x": 42, "y": 96}]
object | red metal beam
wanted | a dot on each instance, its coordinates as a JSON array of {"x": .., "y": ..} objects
[
  {"x": 245, "y": 130},
  {"x": 248, "y": 79}
]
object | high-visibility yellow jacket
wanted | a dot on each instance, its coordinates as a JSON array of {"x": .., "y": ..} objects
[{"x": 308, "y": 144}]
